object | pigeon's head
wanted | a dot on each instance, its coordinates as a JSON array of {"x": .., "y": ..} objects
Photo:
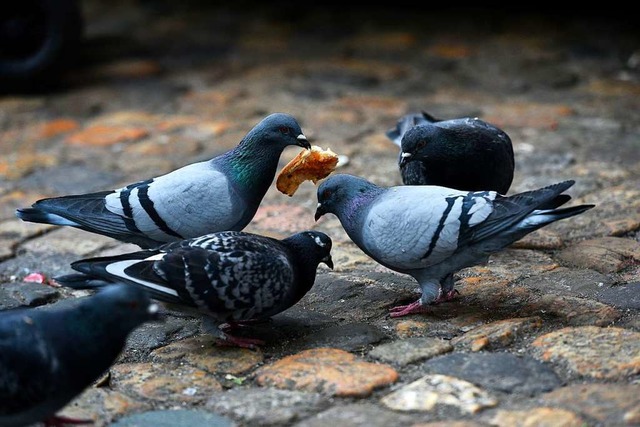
[
  {"x": 313, "y": 246},
  {"x": 128, "y": 306},
  {"x": 420, "y": 142},
  {"x": 341, "y": 194},
  {"x": 280, "y": 130}
]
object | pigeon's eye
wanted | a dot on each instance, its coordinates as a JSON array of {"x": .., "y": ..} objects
[
  {"x": 133, "y": 305},
  {"x": 285, "y": 130},
  {"x": 326, "y": 194},
  {"x": 421, "y": 144}
]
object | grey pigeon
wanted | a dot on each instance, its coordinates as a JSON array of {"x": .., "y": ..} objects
[
  {"x": 431, "y": 232},
  {"x": 215, "y": 195},
  {"x": 463, "y": 153},
  {"x": 231, "y": 277},
  {"x": 50, "y": 355}
]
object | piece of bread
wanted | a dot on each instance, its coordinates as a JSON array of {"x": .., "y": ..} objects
[{"x": 308, "y": 165}]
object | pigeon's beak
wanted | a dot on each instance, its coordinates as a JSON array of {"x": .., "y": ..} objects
[
  {"x": 328, "y": 260},
  {"x": 404, "y": 158},
  {"x": 303, "y": 142},
  {"x": 320, "y": 210}
]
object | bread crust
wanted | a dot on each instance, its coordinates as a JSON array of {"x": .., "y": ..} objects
[{"x": 309, "y": 165}]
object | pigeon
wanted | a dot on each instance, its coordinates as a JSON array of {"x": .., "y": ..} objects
[
  {"x": 229, "y": 277},
  {"x": 221, "y": 194},
  {"x": 430, "y": 232},
  {"x": 50, "y": 355},
  {"x": 464, "y": 153}
]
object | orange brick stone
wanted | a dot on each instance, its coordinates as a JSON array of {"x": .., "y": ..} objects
[
  {"x": 130, "y": 68},
  {"x": 102, "y": 135},
  {"x": 521, "y": 114},
  {"x": 283, "y": 218},
  {"x": 410, "y": 328},
  {"x": 57, "y": 127},
  {"x": 396, "y": 40},
  {"x": 326, "y": 370},
  {"x": 19, "y": 165},
  {"x": 590, "y": 351},
  {"x": 201, "y": 352},
  {"x": 450, "y": 50},
  {"x": 160, "y": 382},
  {"x": 537, "y": 417},
  {"x": 501, "y": 333}
]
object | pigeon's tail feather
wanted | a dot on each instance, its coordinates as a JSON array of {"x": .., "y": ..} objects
[
  {"x": 405, "y": 123},
  {"x": 87, "y": 212},
  {"x": 80, "y": 281},
  {"x": 429, "y": 118},
  {"x": 540, "y": 218},
  {"x": 135, "y": 269},
  {"x": 40, "y": 216},
  {"x": 394, "y": 135},
  {"x": 557, "y": 201},
  {"x": 522, "y": 213},
  {"x": 532, "y": 222}
]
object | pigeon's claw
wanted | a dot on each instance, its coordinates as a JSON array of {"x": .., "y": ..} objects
[
  {"x": 234, "y": 341},
  {"x": 403, "y": 310}
]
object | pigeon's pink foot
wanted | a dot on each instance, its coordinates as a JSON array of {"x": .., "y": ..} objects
[
  {"x": 447, "y": 297},
  {"x": 233, "y": 341},
  {"x": 60, "y": 421},
  {"x": 403, "y": 310}
]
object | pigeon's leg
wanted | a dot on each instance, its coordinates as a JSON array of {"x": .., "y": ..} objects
[
  {"x": 447, "y": 292},
  {"x": 224, "y": 338},
  {"x": 430, "y": 291},
  {"x": 60, "y": 421}
]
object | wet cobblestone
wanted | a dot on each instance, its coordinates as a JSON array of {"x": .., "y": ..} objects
[{"x": 545, "y": 334}]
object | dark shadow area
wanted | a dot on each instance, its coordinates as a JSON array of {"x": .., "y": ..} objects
[{"x": 45, "y": 45}]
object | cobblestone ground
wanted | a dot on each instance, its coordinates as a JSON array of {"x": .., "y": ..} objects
[{"x": 547, "y": 333}]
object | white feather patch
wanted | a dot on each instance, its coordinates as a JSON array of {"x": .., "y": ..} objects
[
  {"x": 117, "y": 269},
  {"x": 480, "y": 210}
]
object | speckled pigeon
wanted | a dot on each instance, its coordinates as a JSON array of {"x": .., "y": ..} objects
[
  {"x": 49, "y": 355},
  {"x": 463, "y": 153},
  {"x": 430, "y": 232},
  {"x": 220, "y": 194},
  {"x": 231, "y": 277}
]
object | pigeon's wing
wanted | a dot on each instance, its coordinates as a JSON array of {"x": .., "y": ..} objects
[
  {"x": 188, "y": 202},
  {"x": 412, "y": 227},
  {"x": 24, "y": 353},
  {"x": 239, "y": 278},
  {"x": 509, "y": 211},
  {"x": 87, "y": 212}
]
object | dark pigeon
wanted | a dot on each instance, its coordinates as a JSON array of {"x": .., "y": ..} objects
[
  {"x": 220, "y": 194},
  {"x": 231, "y": 277},
  {"x": 464, "y": 153},
  {"x": 431, "y": 232},
  {"x": 49, "y": 355}
]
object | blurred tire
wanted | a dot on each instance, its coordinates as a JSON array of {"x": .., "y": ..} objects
[{"x": 38, "y": 39}]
